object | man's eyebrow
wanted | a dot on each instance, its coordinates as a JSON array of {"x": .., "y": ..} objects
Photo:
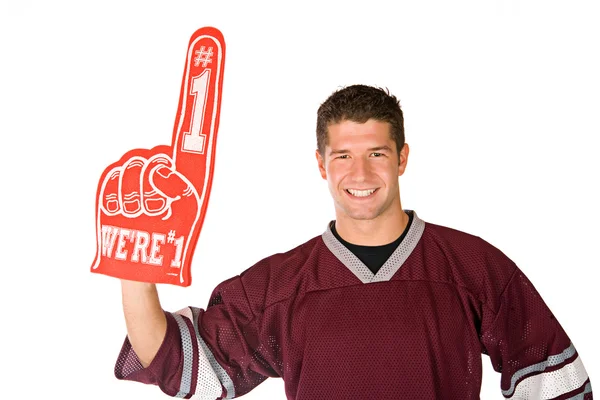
[
  {"x": 340, "y": 151},
  {"x": 345, "y": 151},
  {"x": 388, "y": 148}
]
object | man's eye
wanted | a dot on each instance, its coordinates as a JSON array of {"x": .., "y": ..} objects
[
  {"x": 377, "y": 154},
  {"x": 344, "y": 156}
]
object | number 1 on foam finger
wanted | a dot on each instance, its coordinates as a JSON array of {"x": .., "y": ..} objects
[{"x": 194, "y": 140}]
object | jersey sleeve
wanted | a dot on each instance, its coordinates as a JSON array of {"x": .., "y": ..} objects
[
  {"x": 527, "y": 344},
  {"x": 211, "y": 353}
]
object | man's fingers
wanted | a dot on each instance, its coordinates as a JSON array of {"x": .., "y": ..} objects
[{"x": 197, "y": 121}]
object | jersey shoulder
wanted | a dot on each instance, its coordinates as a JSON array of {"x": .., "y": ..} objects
[
  {"x": 473, "y": 263},
  {"x": 281, "y": 275}
]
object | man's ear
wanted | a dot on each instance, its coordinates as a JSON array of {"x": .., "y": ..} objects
[
  {"x": 403, "y": 159},
  {"x": 321, "y": 163}
]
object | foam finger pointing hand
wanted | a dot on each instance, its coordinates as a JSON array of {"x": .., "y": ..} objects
[{"x": 151, "y": 204}]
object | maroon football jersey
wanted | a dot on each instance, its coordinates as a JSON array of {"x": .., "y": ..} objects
[{"x": 317, "y": 317}]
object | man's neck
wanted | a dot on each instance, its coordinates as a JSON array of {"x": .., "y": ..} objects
[{"x": 382, "y": 230}]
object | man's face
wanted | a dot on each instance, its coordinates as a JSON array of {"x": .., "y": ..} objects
[{"x": 361, "y": 165}]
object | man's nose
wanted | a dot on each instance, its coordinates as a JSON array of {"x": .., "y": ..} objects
[{"x": 360, "y": 169}]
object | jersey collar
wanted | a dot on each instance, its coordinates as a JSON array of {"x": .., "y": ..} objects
[{"x": 389, "y": 268}]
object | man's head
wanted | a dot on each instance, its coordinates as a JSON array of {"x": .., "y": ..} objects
[
  {"x": 361, "y": 153},
  {"x": 359, "y": 103}
]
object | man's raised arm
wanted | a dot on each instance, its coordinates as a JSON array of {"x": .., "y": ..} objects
[{"x": 144, "y": 317}]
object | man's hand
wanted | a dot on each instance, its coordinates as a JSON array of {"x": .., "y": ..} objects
[{"x": 151, "y": 204}]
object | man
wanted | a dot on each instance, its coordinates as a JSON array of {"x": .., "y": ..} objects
[{"x": 381, "y": 306}]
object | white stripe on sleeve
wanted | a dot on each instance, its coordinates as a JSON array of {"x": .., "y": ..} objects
[
  {"x": 208, "y": 386},
  {"x": 549, "y": 385}
]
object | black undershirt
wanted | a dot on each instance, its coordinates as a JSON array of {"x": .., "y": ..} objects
[{"x": 374, "y": 256}]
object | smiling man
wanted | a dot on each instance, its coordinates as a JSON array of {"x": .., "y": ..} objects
[
  {"x": 382, "y": 305},
  {"x": 361, "y": 163}
]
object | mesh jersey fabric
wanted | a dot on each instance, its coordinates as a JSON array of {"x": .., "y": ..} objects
[{"x": 322, "y": 321}]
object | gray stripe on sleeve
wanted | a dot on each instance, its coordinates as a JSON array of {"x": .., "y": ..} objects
[
  {"x": 219, "y": 371},
  {"x": 188, "y": 357},
  {"x": 539, "y": 367}
]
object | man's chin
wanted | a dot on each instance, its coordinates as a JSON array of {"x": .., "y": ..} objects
[{"x": 361, "y": 215}]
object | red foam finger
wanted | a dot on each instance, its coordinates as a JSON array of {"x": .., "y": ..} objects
[{"x": 149, "y": 216}]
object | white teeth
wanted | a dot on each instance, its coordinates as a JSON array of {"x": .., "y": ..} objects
[{"x": 360, "y": 193}]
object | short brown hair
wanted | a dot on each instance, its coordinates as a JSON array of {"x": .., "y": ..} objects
[{"x": 359, "y": 103}]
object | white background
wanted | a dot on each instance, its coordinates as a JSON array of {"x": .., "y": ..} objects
[{"x": 501, "y": 100}]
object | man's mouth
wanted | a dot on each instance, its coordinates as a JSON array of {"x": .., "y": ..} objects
[{"x": 361, "y": 193}]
